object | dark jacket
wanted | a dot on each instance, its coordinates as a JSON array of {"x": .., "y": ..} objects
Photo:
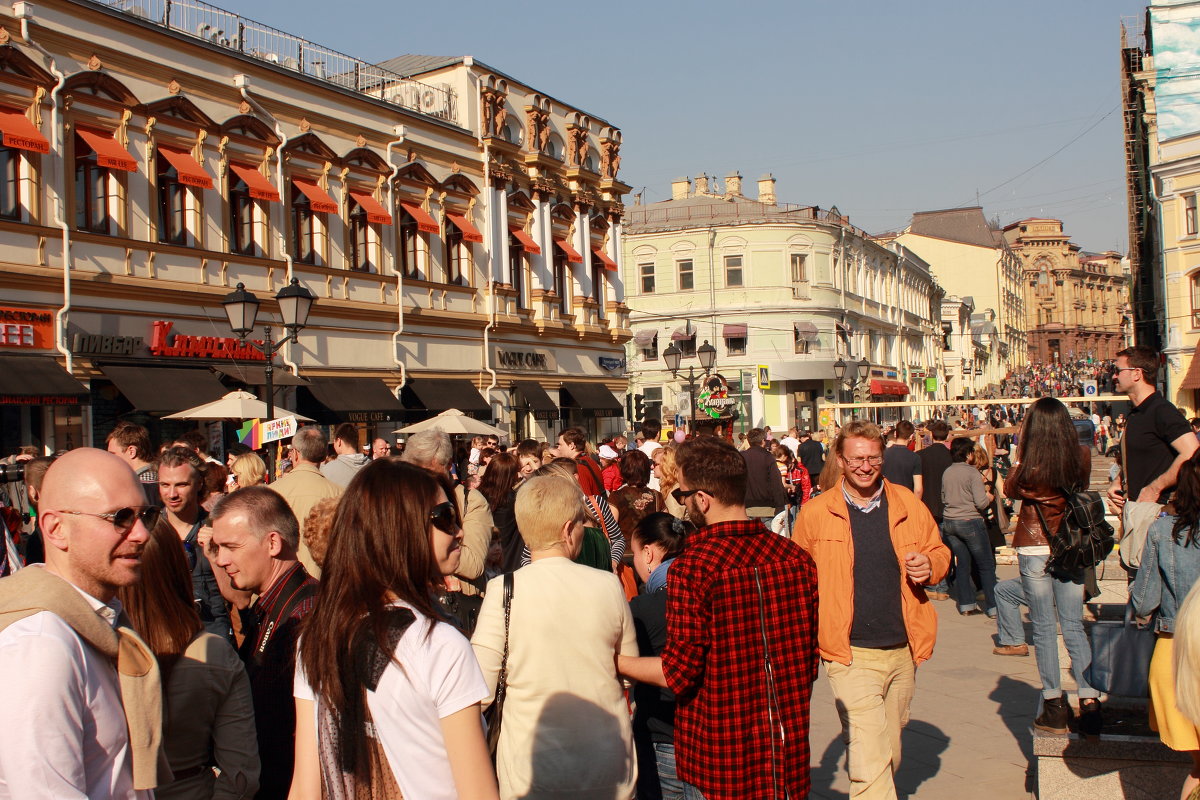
[
  {"x": 935, "y": 460},
  {"x": 764, "y": 484}
]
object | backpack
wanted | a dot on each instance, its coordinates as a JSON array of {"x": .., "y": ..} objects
[{"x": 1084, "y": 538}]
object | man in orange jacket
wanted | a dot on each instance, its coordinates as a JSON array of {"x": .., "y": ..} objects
[{"x": 876, "y": 547}]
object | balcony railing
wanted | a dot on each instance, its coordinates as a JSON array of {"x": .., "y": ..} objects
[
  {"x": 232, "y": 31},
  {"x": 731, "y": 213}
]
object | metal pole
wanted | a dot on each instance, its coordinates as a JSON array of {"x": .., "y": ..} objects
[{"x": 269, "y": 372}]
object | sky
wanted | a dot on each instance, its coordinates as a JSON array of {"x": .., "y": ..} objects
[{"x": 878, "y": 107}]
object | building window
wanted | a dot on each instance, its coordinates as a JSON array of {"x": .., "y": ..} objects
[
  {"x": 733, "y": 271},
  {"x": 242, "y": 218},
  {"x": 360, "y": 240},
  {"x": 92, "y": 189},
  {"x": 686, "y": 281},
  {"x": 1196, "y": 299},
  {"x": 410, "y": 246},
  {"x": 799, "y": 268},
  {"x": 1189, "y": 215},
  {"x": 304, "y": 228},
  {"x": 598, "y": 283},
  {"x": 687, "y": 346},
  {"x": 516, "y": 270},
  {"x": 801, "y": 341},
  {"x": 650, "y": 351},
  {"x": 646, "y": 270},
  {"x": 734, "y": 345},
  {"x": 10, "y": 183},
  {"x": 172, "y": 204},
  {"x": 457, "y": 259},
  {"x": 562, "y": 272}
]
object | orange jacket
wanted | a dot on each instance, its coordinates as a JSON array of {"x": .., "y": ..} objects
[{"x": 823, "y": 530}]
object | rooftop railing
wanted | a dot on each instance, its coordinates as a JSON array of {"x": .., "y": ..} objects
[
  {"x": 733, "y": 212},
  {"x": 232, "y": 31}
]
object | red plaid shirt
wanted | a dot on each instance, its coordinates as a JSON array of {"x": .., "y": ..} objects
[{"x": 714, "y": 662}]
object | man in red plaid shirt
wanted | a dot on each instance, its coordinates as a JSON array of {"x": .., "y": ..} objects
[{"x": 741, "y": 652}]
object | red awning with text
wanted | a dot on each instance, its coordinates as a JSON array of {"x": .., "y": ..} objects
[
  {"x": 893, "y": 388},
  {"x": 260, "y": 188},
  {"x": 375, "y": 212},
  {"x": 608, "y": 263},
  {"x": 425, "y": 223},
  {"x": 189, "y": 169},
  {"x": 22, "y": 134},
  {"x": 572, "y": 254},
  {"x": 527, "y": 242},
  {"x": 318, "y": 198},
  {"x": 470, "y": 232},
  {"x": 108, "y": 150}
]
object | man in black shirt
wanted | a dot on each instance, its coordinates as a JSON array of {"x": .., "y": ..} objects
[
  {"x": 935, "y": 459},
  {"x": 901, "y": 465},
  {"x": 811, "y": 455}
]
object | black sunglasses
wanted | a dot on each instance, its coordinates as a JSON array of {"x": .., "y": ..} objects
[
  {"x": 680, "y": 495},
  {"x": 444, "y": 517},
  {"x": 123, "y": 519}
]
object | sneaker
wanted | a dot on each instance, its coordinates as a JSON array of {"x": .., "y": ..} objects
[
  {"x": 1091, "y": 719},
  {"x": 1056, "y": 714},
  {"x": 1011, "y": 650}
]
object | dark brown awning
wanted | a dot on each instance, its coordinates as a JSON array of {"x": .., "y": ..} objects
[
  {"x": 442, "y": 394},
  {"x": 593, "y": 397},
  {"x": 537, "y": 400},
  {"x": 330, "y": 400},
  {"x": 38, "y": 380},
  {"x": 252, "y": 375},
  {"x": 165, "y": 390}
]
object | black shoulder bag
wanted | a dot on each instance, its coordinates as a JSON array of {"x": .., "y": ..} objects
[
  {"x": 1084, "y": 538},
  {"x": 494, "y": 715}
]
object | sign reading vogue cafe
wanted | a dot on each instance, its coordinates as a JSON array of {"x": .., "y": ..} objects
[{"x": 526, "y": 360}]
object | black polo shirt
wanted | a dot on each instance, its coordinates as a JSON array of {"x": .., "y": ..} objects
[{"x": 1149, "y": 430}]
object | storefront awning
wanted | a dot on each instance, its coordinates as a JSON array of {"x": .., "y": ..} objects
[
  {"x": 1192, "y": 379},
  {"x": 318, "y": 199},
  {"x": 22, "y": 134},
  {"x": 109, "y": 152},
  {"x": 733, "y": 330},
  {"x": 571, "y": 253},
  {"x": 806, "y": 331},
  {"x": 260, "y": 188},
  {"x": 469, "y": 232},
  {"x": 330, "y": 400},
  {"x": 165, "y": 390},
  {"x": 527, "y": 242},
  {"x": 376, "y": 213},
  {"x": 593, "y": 397},
  {"x": 843, "y": 329},
  {"x": 189, "y": 170},
  {"x": 425, "y": 223},
  {"x": 257, "y": 376},
  {"x": 38, "y": 380},
  {"x": 645, "y": 337},
  {"x": 886, "y": 387},
  {"x": 536, "y": 399},
  {"x": 683, "y": 332},
  {"x": 442, "y": 394},
  {"x": 608, "y": 263}
]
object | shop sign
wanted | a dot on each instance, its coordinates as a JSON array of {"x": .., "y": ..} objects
[
  {"x": 185, "y": 346},
  {"x": 368, "y": 416},
  {"x": 526, "y": 360},
  {"x": 714, "y": 399},
  {"x": 611, "y": 364},
  {"x": 38, "y": 400},
  {"x": 87, "y": 344},
  {"x": 26, "y": 328},
  {"x": 931, "y": 384}
]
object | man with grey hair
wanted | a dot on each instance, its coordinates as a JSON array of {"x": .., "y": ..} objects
[
  {"x": 432, "y": 450},
  {"x": 254, "y": 539},
  {"x": 305, "y": 485}
]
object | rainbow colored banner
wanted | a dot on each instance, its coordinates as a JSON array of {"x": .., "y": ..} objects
[{"x": 255, "y": 433}]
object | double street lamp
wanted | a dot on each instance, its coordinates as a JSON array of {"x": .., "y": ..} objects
[
  {"x": 241, "y": 307},
  {"x": 706, "y": 353}
]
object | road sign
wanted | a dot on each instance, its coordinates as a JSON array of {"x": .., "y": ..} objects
[
  {"x": 764, "y": 377},
  {"x": 1091, "y": 389}
]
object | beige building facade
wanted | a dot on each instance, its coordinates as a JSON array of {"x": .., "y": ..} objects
[{"x": 460, "y": 230}]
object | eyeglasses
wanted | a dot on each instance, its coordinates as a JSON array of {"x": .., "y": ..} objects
[
  {"x": 123, "y": 519},
  {"x": 444, "y": 517},
  {"x": 680, "y": 495},
  {"x": 874, "y": 461},
  {"x": 1123, "y": 369}
]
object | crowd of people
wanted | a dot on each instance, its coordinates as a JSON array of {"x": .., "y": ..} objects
[
  {"x": 1059, "y": 378},
  {"x": 617, "y": 619}
]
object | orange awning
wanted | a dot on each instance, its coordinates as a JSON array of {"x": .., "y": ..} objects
[
  {"x": 470, "y": 232},
  {"x": 375, "y": 212},
  {"x": 527, "y": 242},
  {"x": 425, "y": 223},
  {"x": 1192, "y": 379},
  {"x": 22, "y": 134},
  {"x": 609, "y": 264},
  {"x": 108, "y": 150},
  {"x": 189, "y": 169},
  {"x": 260, "y": 187},
  {"x": 572, "y": 254},
  {"x": 318, "y": 198}
]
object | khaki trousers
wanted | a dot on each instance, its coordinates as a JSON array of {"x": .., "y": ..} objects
[{"x": 873, "y": 696}]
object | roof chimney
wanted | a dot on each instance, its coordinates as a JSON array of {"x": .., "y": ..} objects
[
  {"x": 766, "y": 190},
  {"x": 680, "y": 188},
  {"x": 733, "y": 184},
  {"x": 702, "y": 184}
]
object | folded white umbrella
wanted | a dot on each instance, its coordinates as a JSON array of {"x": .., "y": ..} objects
[
  {"x": 236, "y": 405},
  {"x": 453, "y": 421}
]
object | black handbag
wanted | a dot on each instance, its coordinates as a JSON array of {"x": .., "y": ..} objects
[
  {"x": 494, "y": 715},
  {"x": 461, "y": 610},
  {"x": 1084, "y": 538}
]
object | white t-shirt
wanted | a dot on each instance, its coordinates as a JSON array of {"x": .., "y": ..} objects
[
  {"x": 649, "y": 447},
  {"x": 791, "y": 443},
  {"x": 440, "y": 676}
]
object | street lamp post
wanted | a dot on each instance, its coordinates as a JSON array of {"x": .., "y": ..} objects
[
  {"x": 241, "y": 307},
  {"x": 707, "y": 355}
]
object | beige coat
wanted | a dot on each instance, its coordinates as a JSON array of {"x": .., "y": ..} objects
[
  {"x": 302, "y": 488},
  {"x": 566, "y": 730}
]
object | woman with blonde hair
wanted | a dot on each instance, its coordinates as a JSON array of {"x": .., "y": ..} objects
[
  {"x": 1186, "y": 660},
  {"x": 249, "y": 470},
  {"x": 668, "y": 478}
]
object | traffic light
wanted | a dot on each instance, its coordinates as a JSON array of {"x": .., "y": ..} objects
[
  {"x": 639, "y": 407},
  {"x": 862, "y": 392}
]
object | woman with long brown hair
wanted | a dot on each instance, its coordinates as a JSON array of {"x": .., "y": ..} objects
[
  {"x": 498, "y": 486},
  {"x": 208, "y": 714},
  {"x": 1050, "y": 463},
  {"x": 388, "y": 696}
]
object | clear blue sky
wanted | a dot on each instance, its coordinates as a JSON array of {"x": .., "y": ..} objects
[{"x": 879, "y": 107}]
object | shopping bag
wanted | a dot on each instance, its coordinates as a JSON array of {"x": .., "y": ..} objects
[{"x": 1121, "y": 654}]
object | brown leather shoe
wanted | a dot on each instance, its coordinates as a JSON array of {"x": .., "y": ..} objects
[
  {"x": 1011, "y": 650},
  {"x": 937, "y": 595}
]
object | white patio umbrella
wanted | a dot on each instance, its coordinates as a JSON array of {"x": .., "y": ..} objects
[
  {"x": 453, "y": 421},
  {"x": 235, "y": 405}
]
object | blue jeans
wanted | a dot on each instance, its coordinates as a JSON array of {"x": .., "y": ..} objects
[
  {"x": 1053, "y": 603},
  {"x": 691, "y": 792},
  {"x": 968, "y": 540},
  {"x": 672, "y": 787}
]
